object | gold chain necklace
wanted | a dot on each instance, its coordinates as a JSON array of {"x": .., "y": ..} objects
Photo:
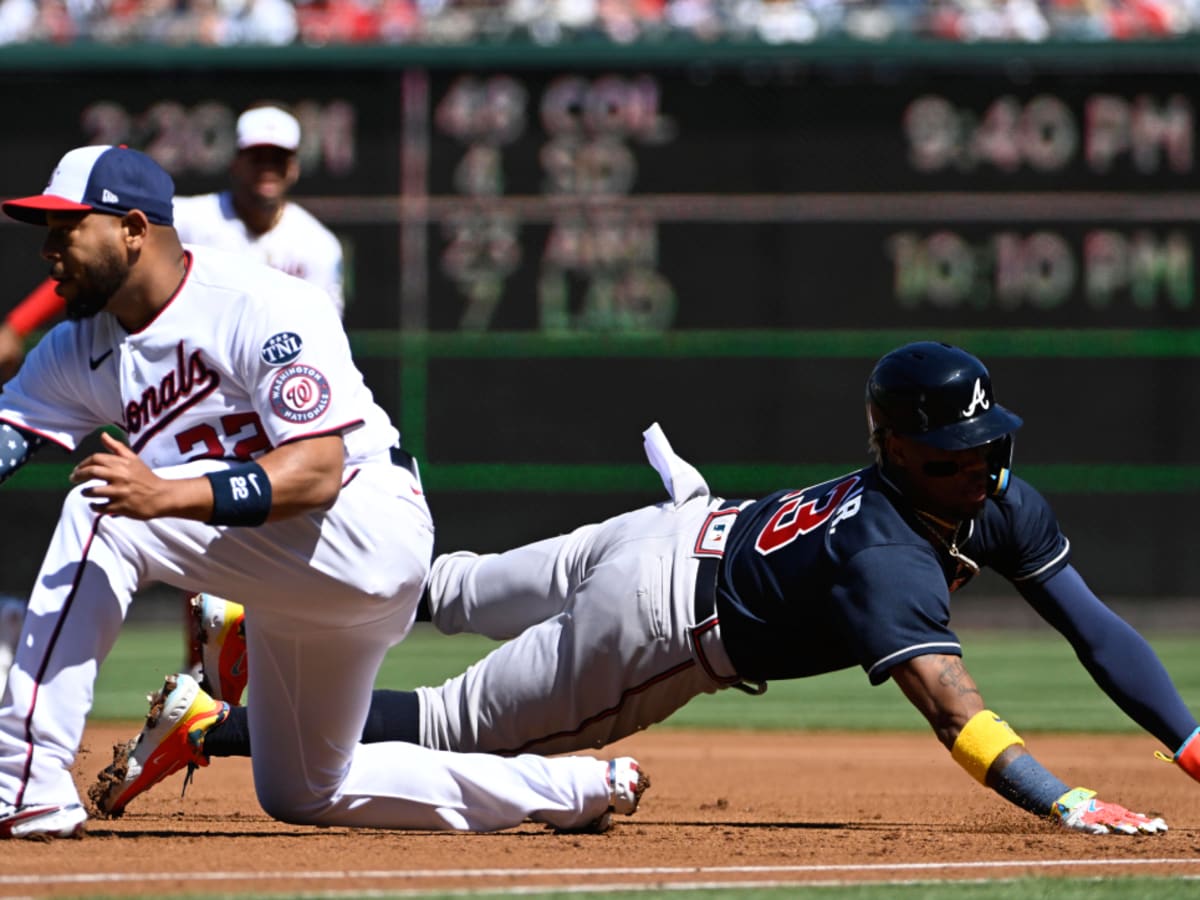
[{"x": 951, "y": 546}]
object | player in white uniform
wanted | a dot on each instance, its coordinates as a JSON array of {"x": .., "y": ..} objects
[{"x": 258, "y": 466}]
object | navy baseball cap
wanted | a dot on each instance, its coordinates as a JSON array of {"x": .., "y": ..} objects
[{"x": 103, "y": 179}]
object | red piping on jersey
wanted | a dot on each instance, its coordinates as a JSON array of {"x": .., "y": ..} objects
[
  {"x": 187, "y": 255},
  {"x": 41, "y": 672},
  {"x": 349, "y": 478},
  {"x": 603, "y": 714},
  {"x": 19, "y": 427}
]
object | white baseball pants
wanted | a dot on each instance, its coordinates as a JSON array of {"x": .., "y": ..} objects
[{"x": 330, "y": 593}]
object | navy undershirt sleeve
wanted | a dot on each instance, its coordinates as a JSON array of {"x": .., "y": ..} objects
[{"x": 1119, "y": 659}]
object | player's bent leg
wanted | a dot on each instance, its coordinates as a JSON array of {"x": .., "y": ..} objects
[
  {"x": 499, "y": 595},
  {"x": 393, "y": 716},
  {"x": 500, "y": 706},
  {"x": 621, "y": 659},
  {"x": 298, "y": 777},
  {"x": 335, "y": 780}
]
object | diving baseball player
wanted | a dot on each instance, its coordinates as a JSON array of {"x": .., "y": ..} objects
[
  {"x": 618, "y": 624},
  {"x": 258, "y": 465}
]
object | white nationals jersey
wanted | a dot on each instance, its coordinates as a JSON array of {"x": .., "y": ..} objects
[
  {"x": 298, "y": 244},
  {"x": 243, "y": 358}
]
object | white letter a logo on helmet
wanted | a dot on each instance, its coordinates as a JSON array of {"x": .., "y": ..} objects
[{"x": 978, "y": 399}]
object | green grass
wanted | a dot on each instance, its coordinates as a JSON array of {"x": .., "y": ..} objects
[{"x": 1031, "y": 677}]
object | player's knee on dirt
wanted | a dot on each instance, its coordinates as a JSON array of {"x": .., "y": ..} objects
[{"x": 289, "y": 803}]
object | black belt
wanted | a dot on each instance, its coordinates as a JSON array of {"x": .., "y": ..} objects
[
  {"x": 706, "y": 589},
  {"x": 405, "y": 460}
]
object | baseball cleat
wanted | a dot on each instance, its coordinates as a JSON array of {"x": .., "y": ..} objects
[
  {"x": 219, "y": 642},
  {"x": 626, "y": 784},
  {"x": 181, "y": 714},
  {"x": 41, "y": 821}
]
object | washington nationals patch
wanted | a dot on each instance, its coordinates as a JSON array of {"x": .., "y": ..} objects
[{"x": 299, "y": 394}]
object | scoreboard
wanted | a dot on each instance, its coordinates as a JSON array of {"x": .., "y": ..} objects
[
  {"x": 760, "y": 198},
  {"x": 701, "y": 196}
]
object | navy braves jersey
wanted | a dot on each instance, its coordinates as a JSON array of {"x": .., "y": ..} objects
[{"x": 845, "y": 573}]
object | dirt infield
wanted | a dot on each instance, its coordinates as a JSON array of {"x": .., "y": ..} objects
[{"x": 724, "y": 807}]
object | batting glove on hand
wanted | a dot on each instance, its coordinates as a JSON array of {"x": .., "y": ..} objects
[{"x": 1079, "y": 810}]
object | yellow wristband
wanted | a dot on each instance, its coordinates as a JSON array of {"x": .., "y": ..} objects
[{"x": 983, "y": 738}]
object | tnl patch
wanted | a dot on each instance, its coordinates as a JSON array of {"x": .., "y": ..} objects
[{"x": 280, "y": 349}]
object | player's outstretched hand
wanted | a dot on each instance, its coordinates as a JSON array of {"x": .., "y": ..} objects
[{"x": 1080, "y": 810}]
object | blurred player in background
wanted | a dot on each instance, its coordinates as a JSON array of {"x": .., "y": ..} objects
[
  {"x": 617, "y": 625},
  {"x": 252, "y": 216}
]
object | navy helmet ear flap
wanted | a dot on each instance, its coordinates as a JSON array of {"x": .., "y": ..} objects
[{"x": 1000, "y": 461}]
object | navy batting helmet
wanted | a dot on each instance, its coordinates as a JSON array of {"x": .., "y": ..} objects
[{"x": 942, "y": 396}]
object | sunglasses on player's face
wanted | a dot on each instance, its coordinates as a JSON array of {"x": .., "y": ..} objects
[
  {"x": 943, "y": 468},
  {"x": 960, "y": 461}
]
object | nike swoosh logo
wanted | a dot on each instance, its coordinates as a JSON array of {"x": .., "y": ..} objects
[
  {"x": 157, "y": 760},
  {"x": 99, "y": 360}
]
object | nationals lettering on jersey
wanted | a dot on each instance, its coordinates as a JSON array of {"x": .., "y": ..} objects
[
  {"x": 843, "y": 574},
  {"x": 243, "y": 358},
  {"x": 189, "y": 382}
]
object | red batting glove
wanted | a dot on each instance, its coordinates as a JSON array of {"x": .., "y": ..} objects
[{"x": 1079, "y": 810}]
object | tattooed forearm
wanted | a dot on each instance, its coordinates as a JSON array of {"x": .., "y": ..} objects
[
  {"x": 954, "y": 675},
  {"x": 942, "y": 689},
  {"x": 955, "y": 700}
]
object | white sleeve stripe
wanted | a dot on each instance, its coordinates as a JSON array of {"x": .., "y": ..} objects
[
  {"x": 1065, "y": 550},
  {"x": 947, "y": 645}
]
